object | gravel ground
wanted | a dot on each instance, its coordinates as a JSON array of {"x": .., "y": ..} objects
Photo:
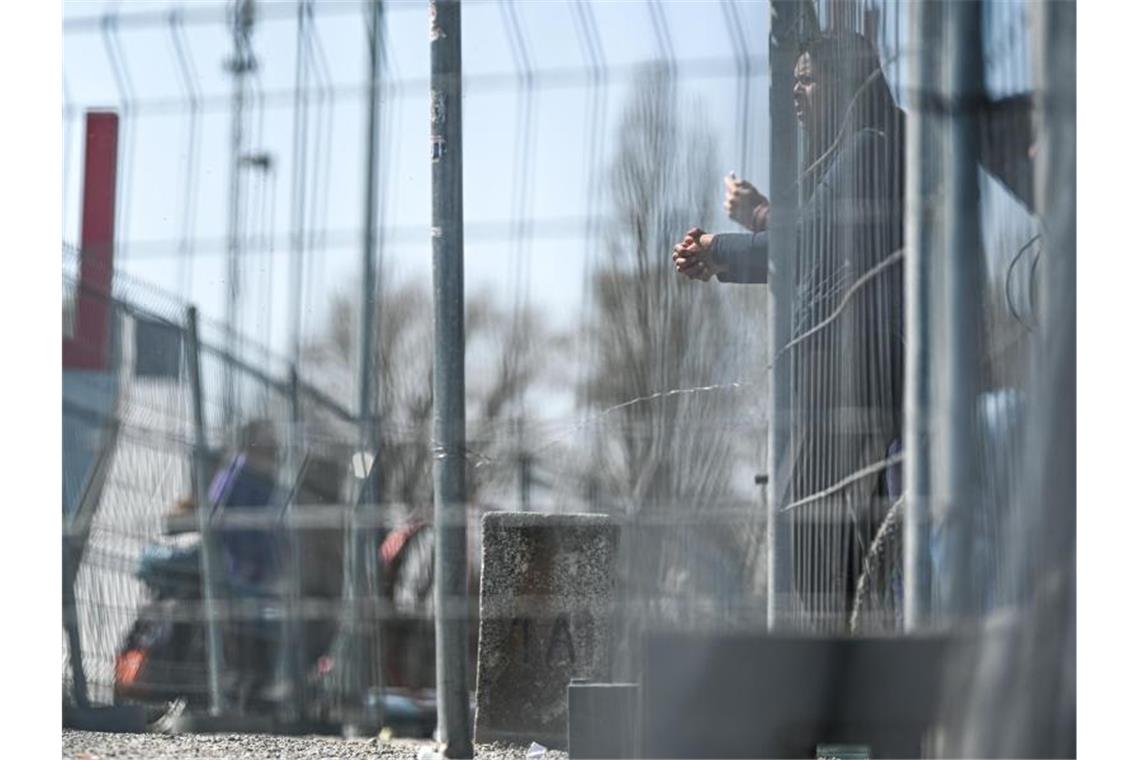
[{"x": 89, "y": 745}]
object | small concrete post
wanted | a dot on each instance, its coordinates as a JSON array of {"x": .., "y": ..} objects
[{"x": 544, "y": 618}]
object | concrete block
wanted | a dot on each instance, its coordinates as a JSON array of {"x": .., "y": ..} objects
[
  {"x": 603, "y": 720},
  {"x": 544, "y": 618},
  {"x": 758, "y": 695}
]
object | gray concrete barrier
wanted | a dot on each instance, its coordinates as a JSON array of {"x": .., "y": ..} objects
[{"x": 544, "y": 618}]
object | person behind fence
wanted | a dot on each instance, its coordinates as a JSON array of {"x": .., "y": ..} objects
[
  {"x": 247, "y": 483},
  {"x": 846, "y": 350}
]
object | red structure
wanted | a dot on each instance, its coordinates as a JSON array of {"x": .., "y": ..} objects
[{"x": 87, "y": 349}]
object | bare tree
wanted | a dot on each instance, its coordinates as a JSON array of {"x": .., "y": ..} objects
[
  {"x": 506, "y": 354},
  {"x": 674, "y": 461},
  {"x": 507, "y": 350}
]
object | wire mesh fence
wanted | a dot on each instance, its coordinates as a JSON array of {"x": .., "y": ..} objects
[
  {"x": 151, "y": 466},
  {"x": 306, "y": 93},
  {"x": 848, "y": 450}
]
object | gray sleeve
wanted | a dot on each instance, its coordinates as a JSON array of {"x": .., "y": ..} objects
[{"x": 745, "y": 254}]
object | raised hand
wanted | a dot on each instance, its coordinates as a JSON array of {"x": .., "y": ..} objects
[{"x": 744, "y": 204}]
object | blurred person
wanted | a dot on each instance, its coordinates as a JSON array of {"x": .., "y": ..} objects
[
  {"x": 248, "y": 481},
  {"x": 245, "y": 477},
  {"x": 846, "y": 352},
  {"x": 160, "y": 660}
]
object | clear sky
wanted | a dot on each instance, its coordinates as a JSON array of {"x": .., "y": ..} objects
[
  {"x": 156, "y": 221},
  {"x": 175, "y": 160}
]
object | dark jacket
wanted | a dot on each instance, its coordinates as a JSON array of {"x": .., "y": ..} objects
[
  {"x": 846, "y": 350},
  {"x": 250, "y": 554}
]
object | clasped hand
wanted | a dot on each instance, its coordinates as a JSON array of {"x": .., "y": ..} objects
[{"x": 693, "y": 256}]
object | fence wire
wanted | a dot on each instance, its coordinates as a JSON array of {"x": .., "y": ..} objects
[
  {"x": 270, "y": 262},
  {"x": 599, "y": 139}
]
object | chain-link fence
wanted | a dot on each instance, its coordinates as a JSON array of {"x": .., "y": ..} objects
[
  {"x": 151, "y": 465},
  {"x": 251, "y": 209},
  {"x": 851, "y": 448}
]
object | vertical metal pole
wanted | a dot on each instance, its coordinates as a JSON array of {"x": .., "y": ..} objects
[
  {"x": 448, "y": 416},
  {"x": 293, "y": 641},
  {"x": 524, "y": 482},
  {"x": 208, "y": 551},
  {"x": 71, "y": 621},
  {"x": 364, "y": 673},
  {"x": 922, "y": 221},
  {"x": 783, "y": 162},
  {"x": 299, "y": 162},
  {"x": 368, "y": 264},
  {"x": 1055, "y": 189},
  {"x": 1050, "y": 503},
  {"x": 351, "y": 670},
  {"x": 239, "y": 65},
  {"x": 524, "y": 464},
  {"x": 958, "y": 364}
]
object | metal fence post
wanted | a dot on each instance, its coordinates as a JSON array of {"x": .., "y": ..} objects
[
  {"x": 71, "y": 621},
  {"x": 787, "y": 19},
  {"x": 239, "y": 65},
  {"x": 922, "y": 221},
  {"x": 448, "y": 415},
  {"x": 1046, "y": 509},
  {"x": 361, "y": 589},
  {"x": 361, "y": 667},
  {"x": 208, "y": 552},
  {"x": 1053, "y": 436},
  {"x": 362, "y": 672},
  {"x": 293, "y": 648},
  {"x": 368, "y": 262},
  {"x": 958, "y": 365}
]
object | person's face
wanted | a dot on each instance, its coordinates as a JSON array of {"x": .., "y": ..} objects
[{"x": 805, "y": 94}]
